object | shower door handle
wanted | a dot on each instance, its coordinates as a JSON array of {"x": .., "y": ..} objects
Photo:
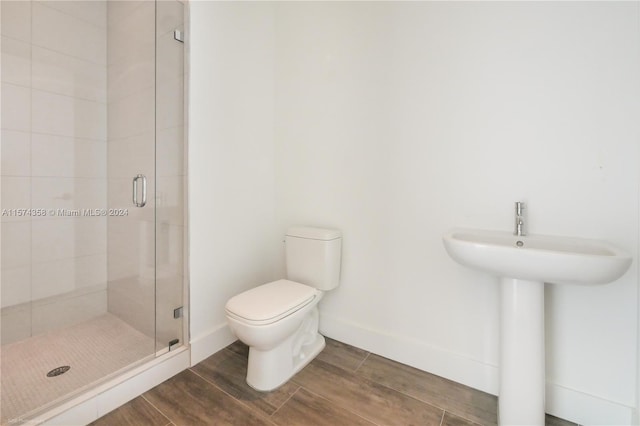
[{"x": 144, "y": 191}]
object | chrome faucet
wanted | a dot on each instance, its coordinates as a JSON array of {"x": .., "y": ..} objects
[{"x": 520, "y": 229}]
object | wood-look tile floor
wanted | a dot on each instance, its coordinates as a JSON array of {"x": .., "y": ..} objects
[{"x": 344, "y": 385}]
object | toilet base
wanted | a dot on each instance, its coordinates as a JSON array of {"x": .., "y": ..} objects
[
  {"x": 268, "y": 370},
  {"x": 274, "y": 371}
]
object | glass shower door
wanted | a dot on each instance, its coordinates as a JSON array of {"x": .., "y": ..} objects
[
  {"x": 131, "y": 165},
  {"x": 146, "y": 170}
]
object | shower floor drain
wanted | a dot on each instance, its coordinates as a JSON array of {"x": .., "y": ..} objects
[{"x": 58, "y": 371}]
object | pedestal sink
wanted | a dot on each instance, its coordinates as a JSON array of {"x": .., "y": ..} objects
[{"x": 524, "y": 264}]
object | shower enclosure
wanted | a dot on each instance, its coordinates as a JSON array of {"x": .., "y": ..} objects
[{"x": 93, "y": 195}]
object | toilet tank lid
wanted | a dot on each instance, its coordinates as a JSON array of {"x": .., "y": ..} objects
[{"x": 314, "y": 233}]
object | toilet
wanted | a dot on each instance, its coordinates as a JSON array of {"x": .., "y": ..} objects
[{"x": 279, "y": 320}]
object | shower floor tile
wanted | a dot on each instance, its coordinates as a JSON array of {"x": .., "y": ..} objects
[{"x": 95, "y": 350}]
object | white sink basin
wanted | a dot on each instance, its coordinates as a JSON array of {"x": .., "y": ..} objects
[
  {"x": 523, "y": 265},
  {"x": 550, "y": 259}
]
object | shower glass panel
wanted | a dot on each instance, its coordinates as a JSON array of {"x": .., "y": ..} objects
[
  {"x": 92, "y": 279},
  {"x": 170, "y": 175}
]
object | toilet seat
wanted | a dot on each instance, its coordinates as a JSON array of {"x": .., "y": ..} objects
[{"x": 270, "y": 302}]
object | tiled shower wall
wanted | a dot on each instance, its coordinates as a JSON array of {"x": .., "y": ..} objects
[{"x": 54, "y": 143}]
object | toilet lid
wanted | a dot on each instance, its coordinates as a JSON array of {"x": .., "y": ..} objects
[{"x": 270, "y": 302}]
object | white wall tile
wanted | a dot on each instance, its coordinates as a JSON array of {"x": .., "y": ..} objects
[
  {"x": 121, "y": 266},
  {"x": 67, "y": 111},
  {"x": 16, "y": 194},
  {"x": 53, "y": 278},
  {"x": 131, "y": 156},
  {"x": 133, "y": 301},
  {"x": 170, "y": 102},
  {"x": 170, "y": 57},
  {"x": 169, "y": 200},
  {"x": 15, "y": 153},
  {"x": 132, "y": 76},
  {"x": 130, "y": 248},
  {"x": 73, "y": 194},
  {"x": 90, "y": 236},
  {"x": 66, "y": 75},
  {"x": 16, "y": 19},
  {"x": 16, "y": 62},
  {"x": 93, "y": 11},
  {"x": 63, "y": 33},
  {"x": 131, "y": 48},
  {"x": 91, "y": 159},
  {"x": 133, "y": 115},
  {"x": 16, "y": 244},
  {"x": 61, "y": 156},
  {"x": 53, "y": 240},
  {"x": 59, "y": 239},
  {"x": 53, "y": 193},
  {"x": 170, "y": 16},
  {"x": 90, "y": 193},
  {"x": 132, "y": 35},
  {"x": 66, "y": 275},
  {"x": 169, "y": 249},
  {"x": 16, "y": 286},
  {"x": 91, "y": 271},
  {"x": 66, "y": 116},
  {"x": 63, "y": 313},
  {"x": 117, "y": 11},
  {"x": 170, "y": 152},
  {"x": 16, "y": 323},
  {"x": 16, "y": 107},
  {"x": 52, "y": 156}
]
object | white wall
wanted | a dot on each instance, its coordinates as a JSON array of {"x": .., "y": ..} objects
[
  {"x": 233, "y": 242},
  {"x": 396, "y": 121}
]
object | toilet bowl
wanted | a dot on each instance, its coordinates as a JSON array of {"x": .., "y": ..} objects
[
  {"x": 284, "y": 340},
  {"x": 279, "y": 320}
]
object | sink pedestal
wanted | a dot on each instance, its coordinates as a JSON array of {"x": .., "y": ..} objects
[{"x": 522, "y": 372}]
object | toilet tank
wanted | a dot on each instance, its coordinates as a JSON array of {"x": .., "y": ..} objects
[{"x": 313, "y": 256}]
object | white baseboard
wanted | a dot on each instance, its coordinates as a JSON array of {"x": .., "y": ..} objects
[
  {"x": 414, "y": 353},
  {"x": 205, "y": 345},
  {"x": 585, "y": 409},
  {"x": 561, "y": 402},
  {"x": 99, "y": 401}
]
